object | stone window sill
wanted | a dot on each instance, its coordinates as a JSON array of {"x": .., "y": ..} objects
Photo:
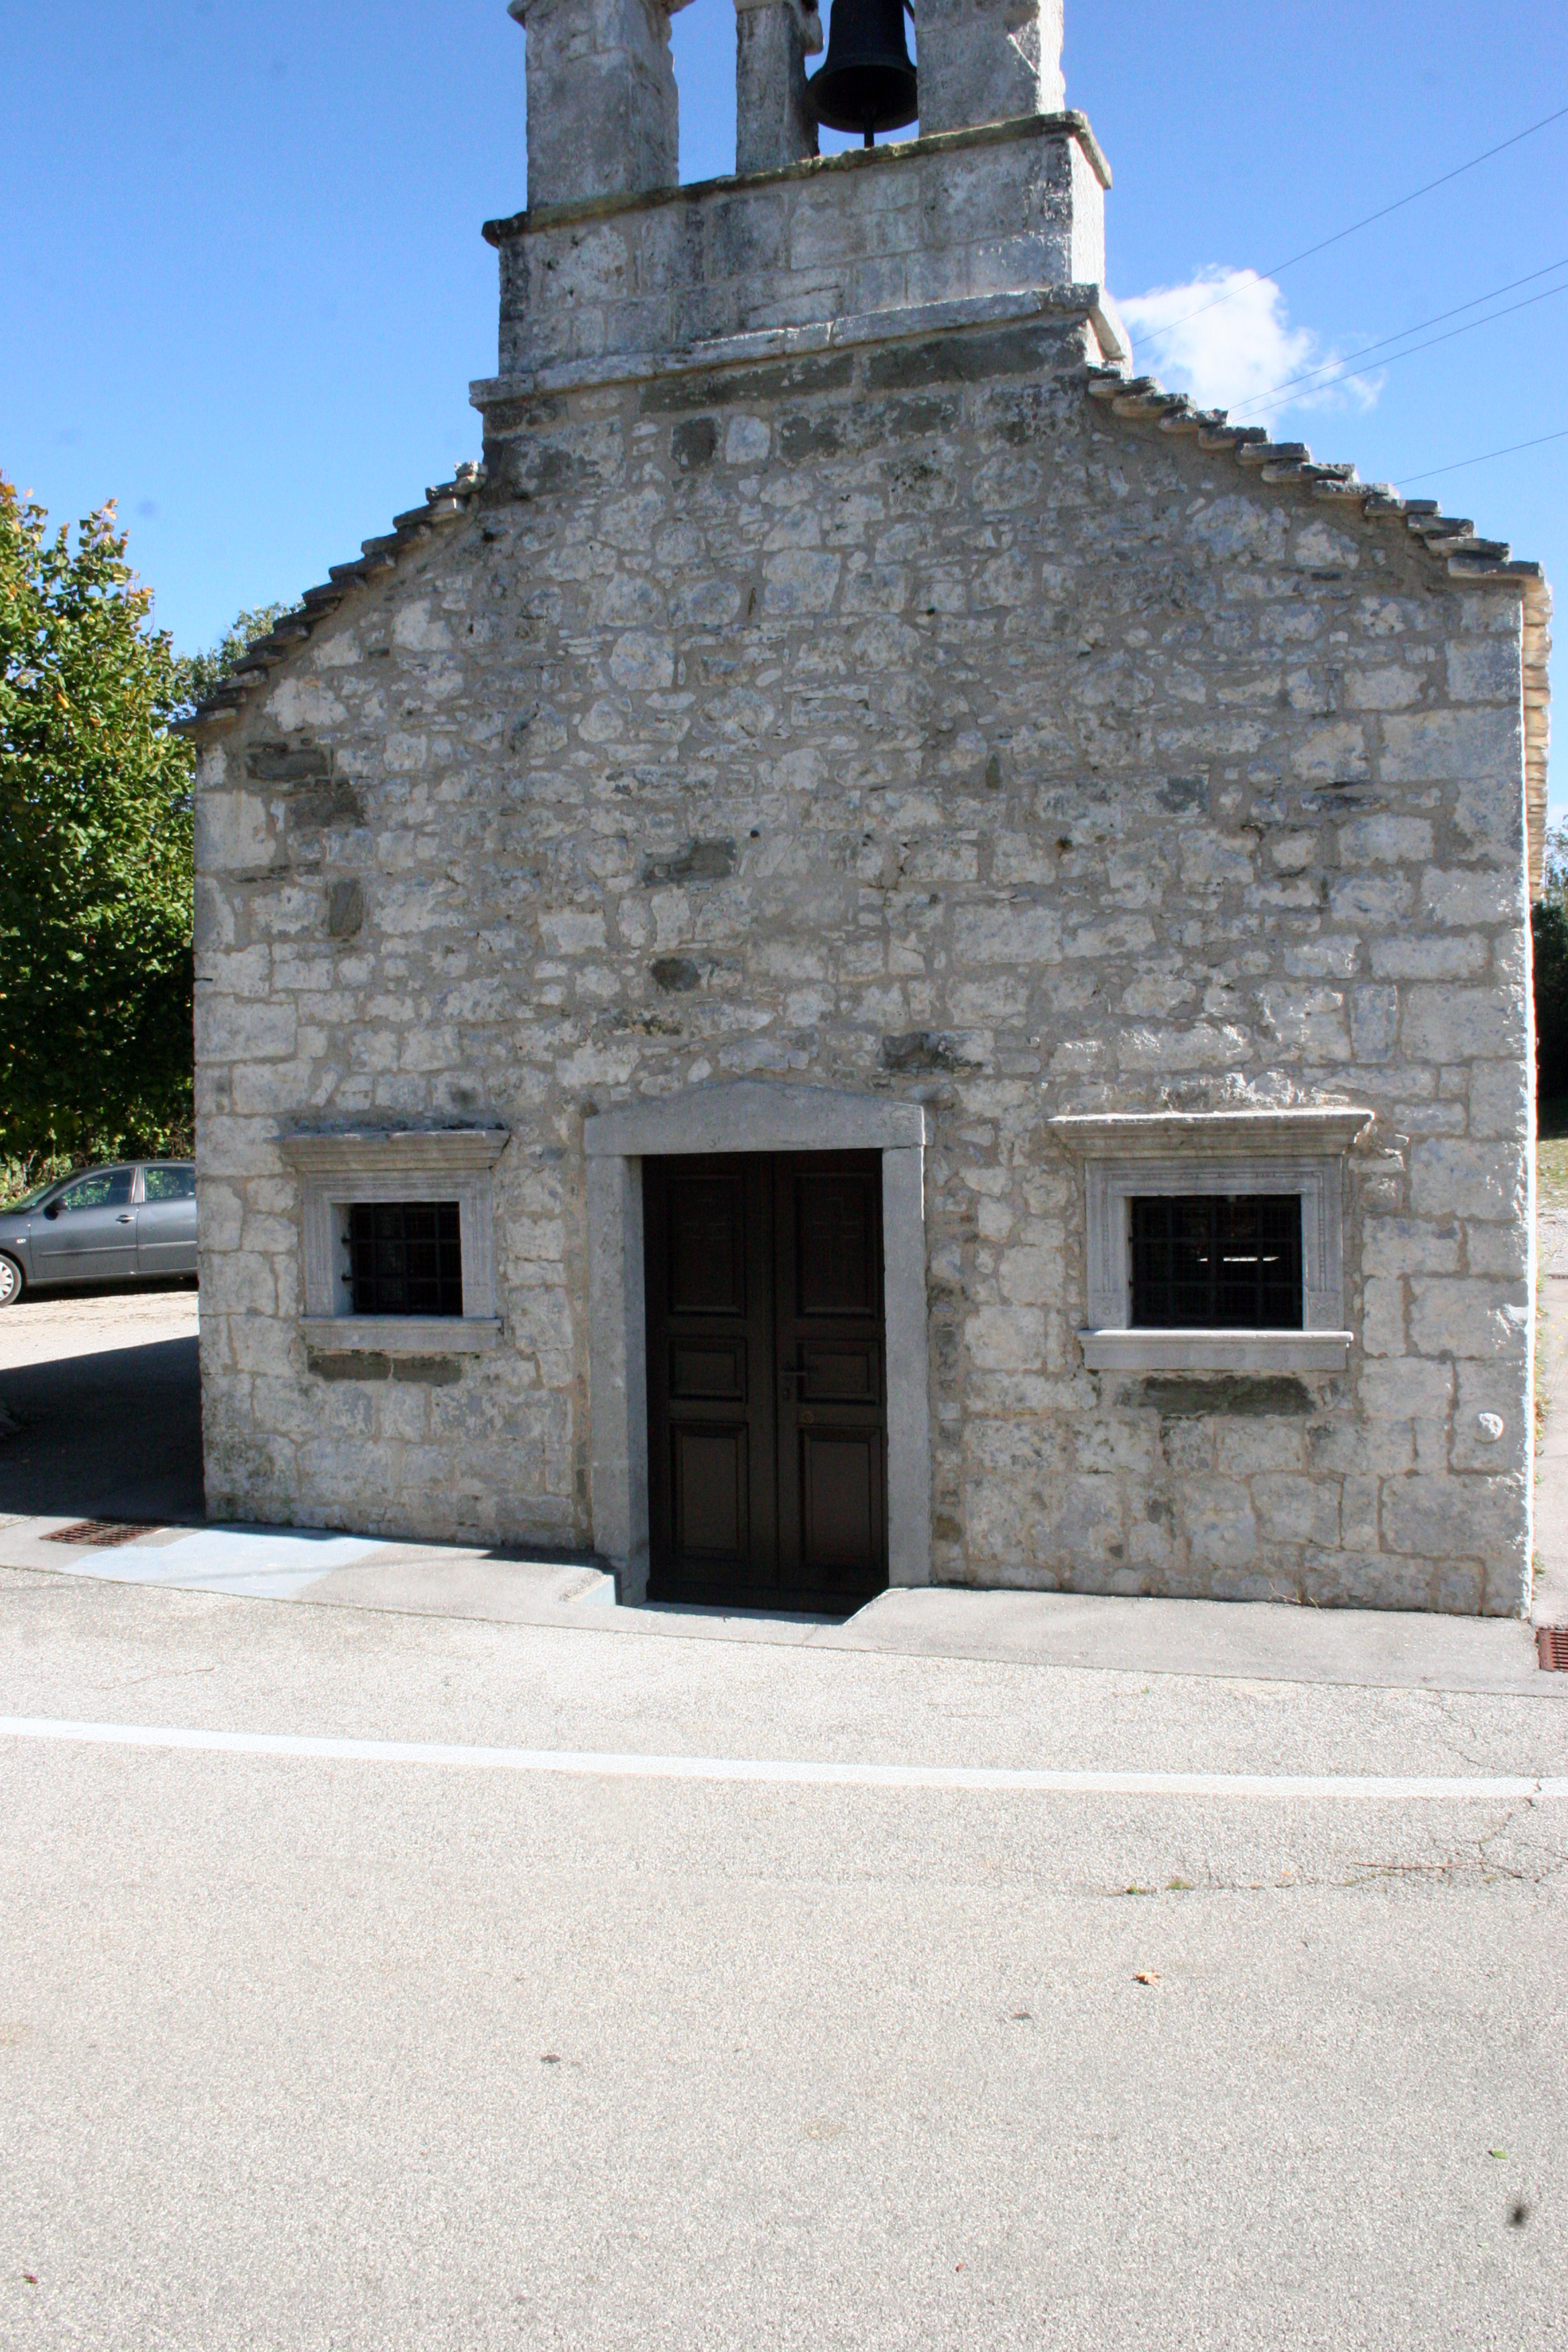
[
  {"x": 1215, "y": 1352},
  {"x": 403, "y": 1335}
]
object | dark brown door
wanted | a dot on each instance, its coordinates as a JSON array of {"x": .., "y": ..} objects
[{"x": 767, "y": 1384}]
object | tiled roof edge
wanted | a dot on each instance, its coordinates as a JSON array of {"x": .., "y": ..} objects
[
  {"x": 445, "y": 504},
  {"x": 1451, "y": 543}
]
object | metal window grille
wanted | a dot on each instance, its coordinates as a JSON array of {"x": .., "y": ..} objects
[
  {"x": 405, "y": 1257},
  {"x": 1217, "y": 1262}
]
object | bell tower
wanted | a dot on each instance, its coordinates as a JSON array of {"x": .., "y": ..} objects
[{"x": 991, "y": 210}]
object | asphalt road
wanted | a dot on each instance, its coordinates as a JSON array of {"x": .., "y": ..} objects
[
  {"x": 103, "y": 1392},
  {"x": 301, "y": 2052}
]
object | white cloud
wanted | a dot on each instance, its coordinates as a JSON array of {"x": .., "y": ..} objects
[{"x": 1226, "y": 339}]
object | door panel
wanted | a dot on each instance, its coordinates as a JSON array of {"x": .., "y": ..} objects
[
  {"x": 166, "y": 1222},
  {"x": 840, "y": 1480},
  {"x": 766, "y": 1394},
  {"x": 93, "y": 1238},
  {"x": 708, "y": 1267},
  {"x": 833, "y": 1413},
  {"x": 710, "y": 1496}
]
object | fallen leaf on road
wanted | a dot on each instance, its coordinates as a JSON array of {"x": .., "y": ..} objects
[
  {"x": 1501, "y": 2152},
  {"x": 1147, "y": 1976}
]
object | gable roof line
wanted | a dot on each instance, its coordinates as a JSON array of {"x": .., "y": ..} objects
[
  {"x": 444, "y": 504},
  {"x": 1456, "y": 551}
]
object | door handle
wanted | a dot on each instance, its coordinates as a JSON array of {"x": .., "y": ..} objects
[{"x": 126, "y": 1220}]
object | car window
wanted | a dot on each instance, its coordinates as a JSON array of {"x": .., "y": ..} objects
[
  {"x": 106, "y": 1188},
  {"x": 168, "y": 1183}
]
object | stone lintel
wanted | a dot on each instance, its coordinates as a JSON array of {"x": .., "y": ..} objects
[
  {"x": 753, "y": 1116},
  {"x": 1310, "y": 1129},
  {"x": 395, "y": 1151}
]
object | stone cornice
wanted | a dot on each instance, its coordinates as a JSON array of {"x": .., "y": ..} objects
[
  {"x": 909, "y": 322},
  {"x": 1069, "y": 124}
]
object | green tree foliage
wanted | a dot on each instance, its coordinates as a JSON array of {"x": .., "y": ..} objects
[
  {"x": 94, "y": 850},
  {"x": 204, "y": 673},
  {"x": 1550, "y": 925}
]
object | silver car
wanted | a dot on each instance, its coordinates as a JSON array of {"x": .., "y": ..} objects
[{"x": 132, "y": 1222}]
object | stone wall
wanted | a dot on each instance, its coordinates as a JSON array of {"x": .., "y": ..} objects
[
  {"x": 980, "y": 212},
  {"x": 897, "y": 717}
]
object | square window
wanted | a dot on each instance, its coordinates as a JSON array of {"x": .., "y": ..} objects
[
  {"x": 1217, "y": 1262},
  {"x": 405, "y": 1257}
]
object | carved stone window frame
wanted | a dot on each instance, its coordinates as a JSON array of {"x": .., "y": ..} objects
[
  {"x": 748, "y": 1115},
  {"x": 339, "y": 1172},
  {"x": 1132, "y": 1155}
]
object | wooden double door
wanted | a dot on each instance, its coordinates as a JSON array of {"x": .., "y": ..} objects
[{"x": 766, "y": 1379}]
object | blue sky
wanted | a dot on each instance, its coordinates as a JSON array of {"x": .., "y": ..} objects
[{"x": 243, "y": 288}]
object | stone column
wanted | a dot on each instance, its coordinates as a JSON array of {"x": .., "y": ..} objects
[
  {"x": 774, "y": 124},
  {"x": 603, "y": 119},
  {"x": 987, "y": 61}
]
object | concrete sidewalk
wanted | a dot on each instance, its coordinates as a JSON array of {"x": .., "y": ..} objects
[
  {"x": 1550, "y": 1604},
  {"x": 1246, "y": 1640}
]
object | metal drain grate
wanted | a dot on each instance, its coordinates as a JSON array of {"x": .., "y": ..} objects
[
  {"x": 1552, "y": 1647},
  {"x": 103, "y": 1533}
]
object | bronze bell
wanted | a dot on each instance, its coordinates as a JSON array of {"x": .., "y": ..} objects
[{"x": 867, "y": 82}]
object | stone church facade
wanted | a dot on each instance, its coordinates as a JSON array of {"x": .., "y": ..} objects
[{"x": 878, "y": 952}]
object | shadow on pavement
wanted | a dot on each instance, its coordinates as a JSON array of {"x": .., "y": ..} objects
[{"x": 116, "y": 1434}]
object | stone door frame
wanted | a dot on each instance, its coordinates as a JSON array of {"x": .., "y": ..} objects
[{"x": 748, "y": 1116}]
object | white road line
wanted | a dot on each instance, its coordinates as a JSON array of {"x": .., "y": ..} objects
[{"x": 590, "y": 1763}]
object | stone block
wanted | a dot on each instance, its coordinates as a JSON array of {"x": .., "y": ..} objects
[
  {"x": 1296, "y": 1510},
  {"x": 1450, "y": 1178},
  {"x": 1438, "y": 1519},
  {"x": 1474, "y": 1318},
  {"x": 1077, "y": 1520},
  {"x": 1463, "y": 895},
  {"x": 1491, "y": 1418},
  {"x": 1385, "y": 841},
  {"x": 1484, "y": 669},
  {"x": 1006, "y": 1339},
  {"x": 1217, "y": 1518},
  {"x": 1396, "y": 1245},
  {"x": 1459, "y": 1024},
  {"x": 1468, "y": 747}
]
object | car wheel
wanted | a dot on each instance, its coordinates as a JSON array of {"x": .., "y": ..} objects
[{"x": 11, "y": 1282}]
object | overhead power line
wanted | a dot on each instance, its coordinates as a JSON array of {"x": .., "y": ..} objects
[
  {"x": 1350, "y": 374},
  {"x": 1419, "y": 327},
  {"x": 1485, "y": 459},
  {"x": 1159, "y": 333}
]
